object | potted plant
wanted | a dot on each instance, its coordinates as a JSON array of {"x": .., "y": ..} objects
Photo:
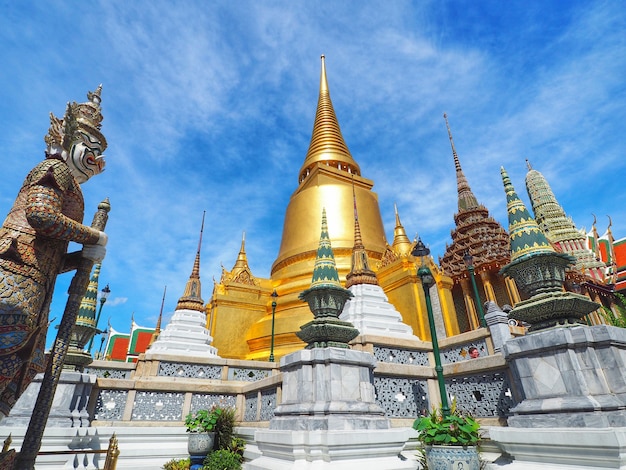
[
  {"x": 449, "y": 441},
  {"x": 201, "y": 425}
]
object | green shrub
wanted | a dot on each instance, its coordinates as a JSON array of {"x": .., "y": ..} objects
[
  {"x": 619, "y": 318},
  {"x": 222, "y": 460},
  {"x": 177, "y": 464},
  {"x": 237, "y": 446},
  {"x": 224, "y": 428}
]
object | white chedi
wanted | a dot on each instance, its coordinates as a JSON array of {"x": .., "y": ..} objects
[
  {"x": 371, "y": 313},
  {"x": 185, "y": 335}
]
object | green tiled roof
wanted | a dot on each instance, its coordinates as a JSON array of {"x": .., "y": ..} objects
[
  {"x": 524, "y": 233},
  {"x": 325, "y": 271}
]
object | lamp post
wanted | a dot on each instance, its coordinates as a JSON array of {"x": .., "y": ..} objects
[
  {"x": 104, "y": 293},
  {"x": 428, "y": 280},
  {"x": 469, "y": 262},
  {"x": 274, "y": 295},
  {"x": 102, "y": 337}
]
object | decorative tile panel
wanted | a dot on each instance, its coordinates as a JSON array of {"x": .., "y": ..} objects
[
  {"x": 247, "y": 375},
  {"x": 268, "y": 404},
  {"x": 251, "y": 407},
  {"x": 401, "y": 397},
  {"x": 482, "y": 395},
  {"x": 110, "y": 405},
  {"x": 205, "y": 401},
  {"x": 192, "y": 371},
  {"x": 401, "y": 356},
  {"x": 158, "y": 406},
  {"x": 109, "y": 373},
  {"x": 461, "y": 352}
]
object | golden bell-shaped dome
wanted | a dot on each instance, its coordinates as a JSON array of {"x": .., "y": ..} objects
[{"x": 327, "y": 179}]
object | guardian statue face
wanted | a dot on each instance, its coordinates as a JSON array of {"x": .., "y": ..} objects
[
  {"x": 85, "y": 157},
  {"x": 77, "y": 140}
]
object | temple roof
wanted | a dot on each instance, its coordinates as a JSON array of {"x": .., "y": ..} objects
[
  {"x": 327, "y": 144},
  {"x": 241, "y": 272}
]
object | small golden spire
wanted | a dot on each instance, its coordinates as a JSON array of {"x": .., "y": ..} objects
[
  {"x": 360, "y": 272},
  {"x": 401, "y": 243},
  {"x": 242, "y": 258}
]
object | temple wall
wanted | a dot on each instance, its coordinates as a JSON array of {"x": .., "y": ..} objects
[{"x": 164, "y": 391}]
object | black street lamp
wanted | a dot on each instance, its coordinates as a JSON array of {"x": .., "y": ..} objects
[
  {"x": 469, "y": 262},
  {"x": 104, "y": 293},
  {"x": 428, "y": 280},
  {"x": 102, "y": 338},
  {"x": 274, "y": 295}
]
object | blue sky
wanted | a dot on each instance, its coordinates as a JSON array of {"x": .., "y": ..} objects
[{"x": 210, "y": 106}]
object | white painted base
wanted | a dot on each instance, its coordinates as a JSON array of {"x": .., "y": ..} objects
[
  {"x": 331, "y": 450},
  {"x": 560, "y": 448}
]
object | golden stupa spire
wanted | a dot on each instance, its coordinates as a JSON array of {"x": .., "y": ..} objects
[
  {"x": 191, "y": 299},
  {"x": 467, "y": 200},
  {"x": 360, "y": 272},
  {"x": 327, "y": 144},
  {"x": 401, "y": 244}
]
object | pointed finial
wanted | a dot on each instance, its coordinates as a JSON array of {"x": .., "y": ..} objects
[
  {"x": 528, "y": 165},
  {"x": 323, "y": 80},
  {"x": 192, "y": 299},
  {"x": 454, "y": 154},
  {"x": 157, "y": 329},
  {"x": 466, "y": 198}
]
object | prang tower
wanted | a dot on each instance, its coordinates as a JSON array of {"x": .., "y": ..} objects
[{"x": 478, "y": 234}]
